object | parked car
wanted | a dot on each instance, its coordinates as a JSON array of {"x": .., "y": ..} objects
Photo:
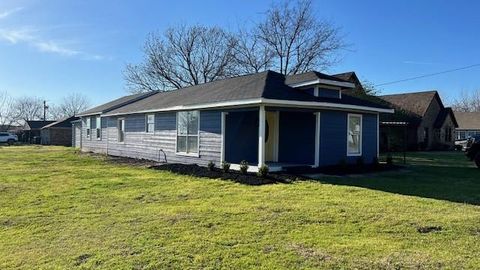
[
  {"x": 473, "y": 149},
  {"x": 9, "y": 138},
  {"x": 461, "y": 145}
]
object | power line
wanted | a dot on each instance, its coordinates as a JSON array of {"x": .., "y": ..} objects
[{"x": 429, "y": 75}]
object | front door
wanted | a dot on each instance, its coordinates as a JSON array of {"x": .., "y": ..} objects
[{"x": 271, "y": 136}]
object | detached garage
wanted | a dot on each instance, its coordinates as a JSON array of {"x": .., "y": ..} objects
[{"x": 58, "y": 133}]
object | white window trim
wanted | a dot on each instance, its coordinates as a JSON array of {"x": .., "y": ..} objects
[
  {"x": 176, "y": 137},
  {"x": 146, "y": 123},
  {"x": 98, "y": 127},
  {"x": 361, "y": 134},
  {"x": 88, "y": 123},
  {"x": 119, "y": 130}
]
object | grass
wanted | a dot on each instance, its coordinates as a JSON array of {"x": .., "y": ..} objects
[{"x": 62, "y": 210}]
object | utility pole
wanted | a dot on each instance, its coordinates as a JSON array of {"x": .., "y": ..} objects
[{"x": 45, "y": 107}]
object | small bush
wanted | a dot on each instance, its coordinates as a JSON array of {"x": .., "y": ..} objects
[
  {"x": 225, "y": 167},
  {"x": 360, "y": 162},
  {"x": 211, "y": 166},
  {"x": 389, "y": 160},
  {"x": 243, "y": 167},
  {"x": 263, "y": 171}
]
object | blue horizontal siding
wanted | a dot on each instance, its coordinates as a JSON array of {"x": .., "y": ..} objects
[
  {"x": 135, "y": 123},
  {"x": 211, "y": 121},
  {"x": 241, "y": 137},
  {"x": 165, "y": 121},
  {"x": 296, "y": 137}
]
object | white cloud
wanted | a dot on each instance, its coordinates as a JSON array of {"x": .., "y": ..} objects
[
  {"x": 32, "y": 37},
  {"x": 418, "y": 63},
  {"x": 4, "y": 14}
]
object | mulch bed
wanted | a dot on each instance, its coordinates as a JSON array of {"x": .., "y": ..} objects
[
  {"x": 235, "y": 176},
  {"x": 350, "y": 169}
]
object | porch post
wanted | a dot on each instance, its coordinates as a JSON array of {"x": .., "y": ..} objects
[
  {"x": 261, "y": 136},
  {"x": 317, "y": 139},
  {"x": 222, "y": 153}
]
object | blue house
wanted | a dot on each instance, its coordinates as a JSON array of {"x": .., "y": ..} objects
[{"x": 263, "y": 118}]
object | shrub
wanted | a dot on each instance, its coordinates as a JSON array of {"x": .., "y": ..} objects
[
  {"x": 263, "y": 171},
  {"x": 243, "y": 167},
  {"x": 211, "y": 166},
  {"x": 360, "y": 162},
  {"x": 225, "y": 167},
  {"x": 389, "y": 160}
]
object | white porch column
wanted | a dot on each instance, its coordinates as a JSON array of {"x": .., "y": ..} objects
[
  {"x": 261, "y": 136},
  {"x": 222, "y": 153},
  {"x": 317, "y": 139}
]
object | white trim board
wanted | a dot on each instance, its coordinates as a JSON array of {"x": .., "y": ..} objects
[
  {"x": 267, "y": 102},
  {"x": 322, "y": 81}
]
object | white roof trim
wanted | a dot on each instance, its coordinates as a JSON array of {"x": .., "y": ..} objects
[
  {"x": 322, "y": 81},
  {"x": 264, "y": 101}
]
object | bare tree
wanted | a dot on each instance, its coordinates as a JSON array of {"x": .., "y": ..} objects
[
  {"x": 27, "y": 108},
  {"x": 467, "y": 102},
  {"x": 252, "y": 54},
  {"x": 183, "y": 56},
  {"x": 6, "y": 113},
  {"x": 70, "y": 105},
  {"x": 300, "y": 41}
]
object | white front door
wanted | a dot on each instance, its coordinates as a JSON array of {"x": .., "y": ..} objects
[{"x": 271, "y": 136}]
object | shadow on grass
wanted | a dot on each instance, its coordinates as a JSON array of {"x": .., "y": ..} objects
[{"x": 440, "y": 177}]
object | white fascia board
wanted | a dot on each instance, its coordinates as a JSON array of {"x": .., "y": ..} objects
[
  {"x": 263, "y": 101},
  {"x": 323, "y": 81}
]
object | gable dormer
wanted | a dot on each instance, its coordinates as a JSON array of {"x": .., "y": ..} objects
[{"x": 319, "y": 84}]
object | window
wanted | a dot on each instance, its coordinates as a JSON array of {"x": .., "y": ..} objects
[
  {"x": 150, "y": 123},
  {"x": 187, "y": 132},
  {"x": 98, "y": 128},
  {"x": 89, "y": 127},
  {"x": 425, "y": 135},
  {"x": 448, "y": 134},
  {"x": 354, "y": 135},
  {"x": 121, "y": 130}
]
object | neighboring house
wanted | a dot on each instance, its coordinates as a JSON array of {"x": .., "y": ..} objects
[
  {"x": 351, "y": 77},
  {"x": 263, "y": 118},
  {"x": 58, "y": 133},
  {"x": 428, "y": 124},
  {"x": 32, "y": 130},
  {"x": 468, "y": 124}
]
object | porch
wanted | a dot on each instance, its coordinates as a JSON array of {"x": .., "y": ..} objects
[{"x": 277, "y": 137}]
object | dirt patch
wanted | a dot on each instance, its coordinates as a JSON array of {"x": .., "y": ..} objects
[
  {"x": 310, "y": 253},
  {"x": 429, "y": 229},
  {"x": 82, "y": 259},
  {"x": 248, "y": 179}
]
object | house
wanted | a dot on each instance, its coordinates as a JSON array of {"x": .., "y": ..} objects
[
  {"x": 58, "y": 133},
  {"x": 351, "y": 77},
  {"x": 262, "y": 118},
  {"x": 428, "y": 125},
  {"x": 32, "y": 130},
  {"x": 468, "y": 124}
]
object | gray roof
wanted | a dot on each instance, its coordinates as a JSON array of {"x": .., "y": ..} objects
[
  {"x": 311, "y": 76},
  {"x": 62, "y": 123},
  {"x": 116, "y": 104},
  {"x": 268, "y": 85},
  {"x": 468, "y": 120},
  {"x": 36, "y": 124}
]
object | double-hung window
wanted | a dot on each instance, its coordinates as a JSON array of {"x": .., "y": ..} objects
[
  {"x": 149, "y": 123},
  {"x": 98, "y": 127},
  {"x": 187, "y": 132},
  {"x": 354, "y": 135},
  {"x": 89, "y": 127},
  {"x": 121, "y": 129}
]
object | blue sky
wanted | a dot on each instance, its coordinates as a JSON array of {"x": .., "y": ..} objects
[{"x": 49, "y": 48}]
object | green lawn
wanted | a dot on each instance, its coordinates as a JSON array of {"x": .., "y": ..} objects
[{"x": 62, "y": 210}]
